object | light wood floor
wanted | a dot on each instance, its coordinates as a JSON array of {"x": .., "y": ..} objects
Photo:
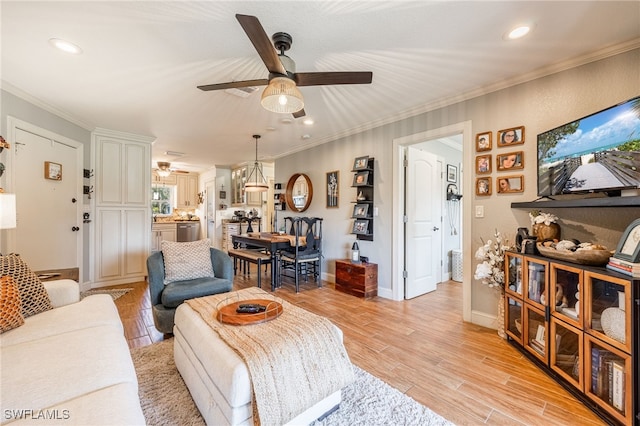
[{"x": 464, "y": 372}]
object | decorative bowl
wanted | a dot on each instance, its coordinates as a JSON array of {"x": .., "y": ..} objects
[{"x": 582, "y": 257}]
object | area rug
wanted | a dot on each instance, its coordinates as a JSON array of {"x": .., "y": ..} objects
[
  {"x": 165, "y": 398},
  {"x": 114, "y": 293}
]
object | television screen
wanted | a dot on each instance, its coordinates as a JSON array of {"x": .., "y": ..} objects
[{"x": 597, "y": 153}]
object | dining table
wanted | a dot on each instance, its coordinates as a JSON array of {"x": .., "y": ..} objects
[{"x": 272, "y": 242}]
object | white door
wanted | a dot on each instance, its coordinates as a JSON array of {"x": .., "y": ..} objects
[
  {"x": 423, "y": 226},
  {"x": 49, "y": 228}
]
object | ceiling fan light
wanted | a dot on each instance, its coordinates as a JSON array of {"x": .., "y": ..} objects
[
  {"x": 163, "y": 169},
  {"x": 282, "y": 96}
]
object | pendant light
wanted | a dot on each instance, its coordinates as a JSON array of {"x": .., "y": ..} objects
[{"x": 256, "y": 181}]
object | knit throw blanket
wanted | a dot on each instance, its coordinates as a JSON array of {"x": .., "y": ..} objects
[{"x": 295, "y": 360}]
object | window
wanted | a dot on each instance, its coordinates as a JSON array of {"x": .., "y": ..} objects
[{"x": 162, "y": 200}]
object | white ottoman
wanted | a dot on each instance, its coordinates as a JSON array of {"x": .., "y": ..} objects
[{"x": 218, "y": 378}]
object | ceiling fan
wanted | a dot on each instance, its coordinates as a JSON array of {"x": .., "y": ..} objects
[{"x": 282, "y": 94}]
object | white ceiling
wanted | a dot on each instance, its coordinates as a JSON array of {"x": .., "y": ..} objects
[{"x": 142, "y": 61}]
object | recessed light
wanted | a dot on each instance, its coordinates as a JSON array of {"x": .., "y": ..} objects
[
  {"x": 308, "y": 121},
  {"x": 271, "y": 128},
  {"x": 306, "y": 136},
  {"x": 286, "y": 121},
  {"x": 65, "y": 46},
  {"x": 518, "y": 32}
]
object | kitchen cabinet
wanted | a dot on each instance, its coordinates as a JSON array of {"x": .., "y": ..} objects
[
  {"x": 187, "y": 191},
  {"x": 229, "y": 229},
  {"x": 162, "y": 232},
  {"x": 160, "y": 180},
  {"x": 238, "y": 195},
  {"x": 580, "y": 324}
]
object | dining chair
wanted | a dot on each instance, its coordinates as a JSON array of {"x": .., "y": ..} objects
[{"x": 305, "y": 254}]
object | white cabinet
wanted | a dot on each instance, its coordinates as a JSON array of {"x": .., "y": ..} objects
[
  {"x": 122, "y": 225},
  {"x": 162, "y": 232},
  {"x": 187, "y": 191},
  {"x": 121, "y": 245},
  {"x": 239, "y": 196},
  {"x": 229, "y": 229}
]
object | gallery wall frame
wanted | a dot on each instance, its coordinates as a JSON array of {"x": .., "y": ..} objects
[
  {"x": 483, "y": 142},
  {"x": 483, "y": 186},
  {"x": 511, "y": 136},
  {"x": 483, "y": 164},
  {"x": 510, "y": 161},
  {"x": 510, "y": 184}
]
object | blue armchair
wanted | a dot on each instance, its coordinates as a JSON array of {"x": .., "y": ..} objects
[{"x": 165, "y": 298}]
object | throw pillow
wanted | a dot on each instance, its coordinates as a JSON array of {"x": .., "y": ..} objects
[
  {"x": 33, "y": 295},
  {"x": 10, "y": 306},
  {"x": 186, "y": 261}
]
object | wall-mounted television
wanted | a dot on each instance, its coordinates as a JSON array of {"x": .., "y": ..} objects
[{"x": 596, "y": 153}]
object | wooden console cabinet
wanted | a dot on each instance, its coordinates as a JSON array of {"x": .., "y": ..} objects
[
  {"x": 581, "y": 325},
  {"x": 358, "y": 279}
]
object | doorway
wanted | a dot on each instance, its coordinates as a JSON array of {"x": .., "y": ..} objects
[
  {"x": 399, "y": 249},
  {"x": 49, "y": 202}
]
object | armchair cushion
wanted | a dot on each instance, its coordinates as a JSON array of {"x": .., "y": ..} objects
[
  {"x": 177, "y": 292},
  {"x": 186, "y": 260}
]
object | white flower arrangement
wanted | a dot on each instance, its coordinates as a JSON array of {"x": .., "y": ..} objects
[
  {"x": 491, "y": 270},
  {"x": 537, "y": 216}
]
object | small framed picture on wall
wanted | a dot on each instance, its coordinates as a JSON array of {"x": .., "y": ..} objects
[
  {"x": 506, "y": 184},
  {"x": 452, "y": 173},
  {"x": 483, "y": 142},
  {"x": 512, "y": 136},
  {"x": 483, "y": 164},
  {"x": 483, "y": 186},
  {"x": 510, "y": 161}
]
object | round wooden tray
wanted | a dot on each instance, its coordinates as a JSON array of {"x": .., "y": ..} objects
[
  {"x": 228, "y": 315},
  {"x": 582, "y": 257}
]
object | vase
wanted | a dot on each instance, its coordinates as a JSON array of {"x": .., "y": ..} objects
[
  {"x": 500, "y": 318},
  {"x": 546, "y": 232}
]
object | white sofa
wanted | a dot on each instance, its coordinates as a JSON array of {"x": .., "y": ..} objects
[{"x": 70, "y": 365}]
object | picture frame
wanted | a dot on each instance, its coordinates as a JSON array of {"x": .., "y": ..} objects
[
  {"x": 360, "y": 210},
  {"x": 361, "y": 163},
  {"x": 52, "y": 171},
  {"x": 360, "y": 227},
  {"x": 452, "y": 173},
  {"x": 223, "y": 195},
  {"x": 483, "y": 164},
  {"x": 361, "y": 179},
  {"x": 483, "y": 142},
  {"x": 510, "y": 161},
  {"x": 510, "y": 184},
  {"x": 483, "y": 186},
  {"x": 511, "y": 136},
  {"x": 629, "y": 246},
  {"x": 333, "y": 184}
]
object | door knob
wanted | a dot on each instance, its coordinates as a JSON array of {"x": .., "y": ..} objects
[
  {"x": 75, "y": 228},
  {"x": 435, "y": 228}
]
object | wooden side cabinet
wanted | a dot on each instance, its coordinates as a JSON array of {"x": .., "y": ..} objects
[
  {"x": 581, "y": 324},
  {"x": 358, "y": 279}
]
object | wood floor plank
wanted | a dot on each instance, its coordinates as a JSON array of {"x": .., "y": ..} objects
[{"x": 422, "y": 347}]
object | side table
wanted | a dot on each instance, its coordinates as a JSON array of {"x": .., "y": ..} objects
[{"x": 358, "y": 279}]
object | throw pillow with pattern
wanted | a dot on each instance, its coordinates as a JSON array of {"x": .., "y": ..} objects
[
  {"x": 186, "y": 261},
  {"x": 10, "y": 306},
  {"x": 33, "y": 295}
]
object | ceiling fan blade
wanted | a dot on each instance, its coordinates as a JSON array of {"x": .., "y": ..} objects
[
  {"x": 299, "y": 114},
  {"x": 234, "y": 84},
  {"x": 251, "y": 25},
  {"x": 325, "y": 78}
]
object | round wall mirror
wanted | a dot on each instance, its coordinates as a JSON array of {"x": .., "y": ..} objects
[{"x": 299, "y": 192}]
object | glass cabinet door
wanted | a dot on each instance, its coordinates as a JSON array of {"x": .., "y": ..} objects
[
  {"x": 513, "y": 273},
  {"x": 607, "y": 309},
  {"x": 608, "y": 378},
  {"x": 564, "y": 292},
  {"x": 567, "y": 352},
  {"x": 535, "y": 332},
  {"x": 536, "y": 272},
  {"x": 513, "y": 318}
]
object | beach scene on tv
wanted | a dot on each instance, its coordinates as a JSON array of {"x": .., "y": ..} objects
[{"x": 600, "y": 152}]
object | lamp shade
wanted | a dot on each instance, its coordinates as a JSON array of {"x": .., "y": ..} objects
[
  {"x": 7, "y": 211},
  {"x": 163, "y": 169},
  {"x": 282, "y": 96}
]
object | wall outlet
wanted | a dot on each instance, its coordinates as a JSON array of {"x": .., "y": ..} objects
[{"x": 479, "y": 211}]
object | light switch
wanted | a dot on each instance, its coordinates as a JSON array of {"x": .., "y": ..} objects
[
  {"x": 479, "y": 211},
  {"x": 375, "y": 211}
]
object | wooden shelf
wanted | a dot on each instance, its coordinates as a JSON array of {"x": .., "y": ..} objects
[{"x": 582, "y": 202}]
